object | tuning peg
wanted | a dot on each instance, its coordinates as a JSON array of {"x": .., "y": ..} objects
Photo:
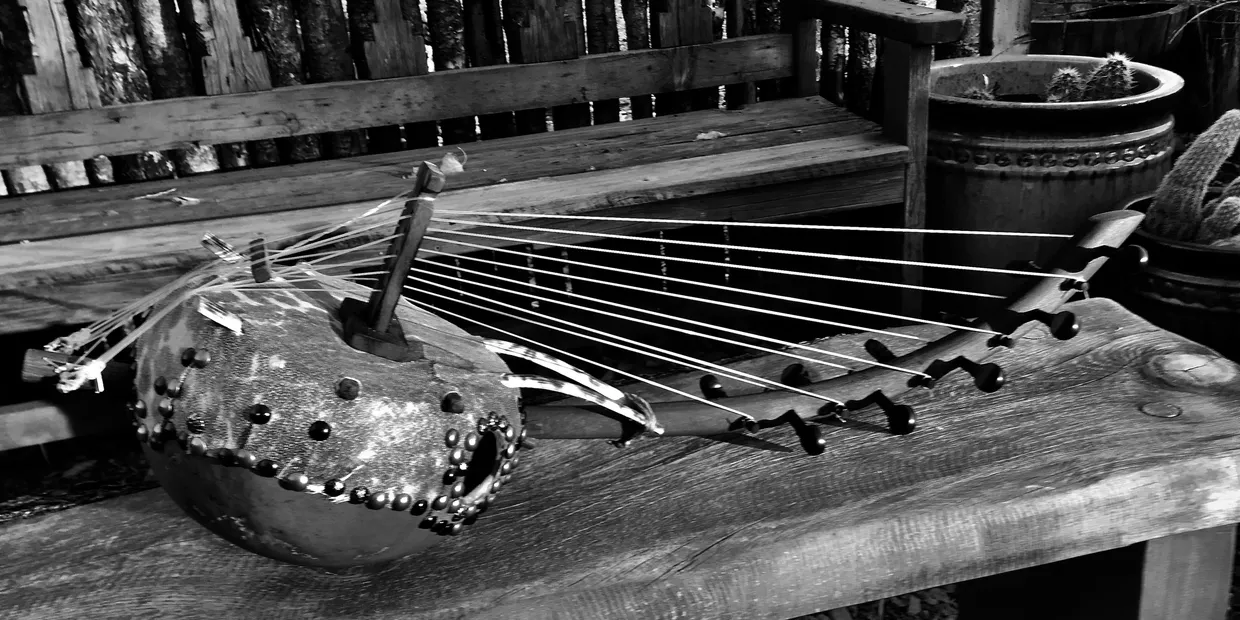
[
  {"x": 795, "y": 375},
  {"x": 901, "y": 419},
  {"x": 810, "y": 436},
  {"x": 879, "y": 351},
  {"x": 260, "y": 263},
  {"x": 711, "y": 388},
  {"x": 987, "y": 377},
  {"x": 1062, "y": 325}
]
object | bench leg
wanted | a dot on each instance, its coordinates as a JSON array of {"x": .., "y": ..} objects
[
  {"x": 1188, "y": 575},
  {"x": 1181, "y": 577}
]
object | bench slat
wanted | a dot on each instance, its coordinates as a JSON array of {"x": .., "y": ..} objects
[
  {"x": 378, "y": 177},
  {"x": 82, "y": 257},
  {"x": 1060, "y": 463},
  {"x": 336, "y": 106}
]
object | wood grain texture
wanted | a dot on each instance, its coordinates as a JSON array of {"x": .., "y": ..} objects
[
  {"x": 695, "y": 528},
  {"x": 902, "y": 22},
  {"x": 318, "y": 108},
  {"x": 1188, "y": 575}
]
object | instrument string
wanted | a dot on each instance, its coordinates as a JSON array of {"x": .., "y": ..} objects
[
  {"x": 730, "y": 223},
  {"x": 730, "y": 289},
  {"x": 799, "y": 253},
  {"x": 670, "y": 294},
  {"x": 558, "y": 351},
  {"x": 742, "y": 333},
  {"x": 709, "y": 263},
  {"x": 637, "y": 347}
]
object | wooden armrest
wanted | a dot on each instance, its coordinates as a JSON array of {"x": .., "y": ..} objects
[{"x": 894, "y": 20}]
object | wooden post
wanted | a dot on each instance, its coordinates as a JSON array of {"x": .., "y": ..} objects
[
  {"x": 484, "y": 46},
  {"x": 603, "y": 37},
  {"x": 834, "y": 42},
  {"x": 325, "y": 35},
  {"x": 637, "y": 37},
  {"x": 1005, "y": 26},
  {"x": 168, "y": 72},
  {"x": 803, "y": 28},
  {"x": 906, "y": 120},
  {"x": 446, "y": 27},
  {"x": 740, "y": 17},
  {"x": 1188, "y": 575},
  {"x": 767, "y": 22}
]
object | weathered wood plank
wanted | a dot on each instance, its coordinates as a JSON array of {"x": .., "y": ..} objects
[
  {"x": 542, "y": 31},
  {"x": 38, "y": 422},
  {"x": 55, "y": 303},
  {"x": 683, "y": 22},
  {"x": 318, "y": 108},
  {"x": 26, "y": 264},
  {"x": 740, "y": 16},
  {"x": 892, "y": 20},
  {"x": 693, "y": 528},
  {"x": 378, "y": 177}
]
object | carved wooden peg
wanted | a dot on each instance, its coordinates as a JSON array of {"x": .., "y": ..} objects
[{"x": 372, "y": 326}]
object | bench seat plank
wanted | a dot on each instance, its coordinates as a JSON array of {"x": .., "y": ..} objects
[
  {"x": 776, "y": 160},
  {"x": 1060, "y": 463}
]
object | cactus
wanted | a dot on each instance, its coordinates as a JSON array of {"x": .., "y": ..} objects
[
  {"x": 1065, "y": 85},
  {"x": 1223, "y": 222},
  {"x": 1112, "y": 79},
  {"x": 1179, "y": 205}
]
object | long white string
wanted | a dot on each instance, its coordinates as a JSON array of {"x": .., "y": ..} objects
[
  {"x": 800, "y": 253},
  {"x": 690, "y": 222},
  {"x": 562, "y": 352},
  {"x": 730, "y": 289},
  {"x": 669, "y": 294},
  {"x": 644, "y": 348},
  {"x": 681, "y": 259},
  {"x": 678, "y": 329}
]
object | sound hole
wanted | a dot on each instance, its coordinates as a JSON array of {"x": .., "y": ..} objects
[{"x": 484, "y": 463}]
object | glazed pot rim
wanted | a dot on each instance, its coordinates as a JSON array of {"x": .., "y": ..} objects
[
  {"x": 1142, "y": 202},
  {"x": 1170, "y": 7},
  {"x": 1169, "y": 83}
]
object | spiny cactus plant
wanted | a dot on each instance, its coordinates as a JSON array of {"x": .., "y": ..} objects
[
  {"x": 978, "y": 93},
  {"x": 1112, "y": 79},
  {"x": 1178, "y": 210},
  {"x": 1065, "y": 85}
]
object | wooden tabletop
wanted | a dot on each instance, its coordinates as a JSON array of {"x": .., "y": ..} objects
[{"x": 1072, "y": 457}]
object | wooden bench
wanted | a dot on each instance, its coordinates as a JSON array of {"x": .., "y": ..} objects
[
  {"x": 72, "y": 256},
  {"x": 1123, "y": 435}
]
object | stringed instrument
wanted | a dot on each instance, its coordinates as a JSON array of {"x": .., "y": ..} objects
[{"x": 303, "y": 415}]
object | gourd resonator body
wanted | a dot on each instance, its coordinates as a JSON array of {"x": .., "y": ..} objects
[{"x": 286, "y": 441}]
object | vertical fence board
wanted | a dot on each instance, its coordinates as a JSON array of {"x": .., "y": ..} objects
[
  {"x": 767, "y": 22},
  {"x": 484, "y": 46},
  {"x": 740, "y": 22},
  {"x": 167, "y": 69},
  {"x": 325, "y": 36},
  {"x": 445, "y": 19},
  {"x": 543, "y": 31},
  {"x": 274, "y": 28},
  {"x": 682, "y": 22},
  {"x": 603, "y": 37},
  {"x": 388, "y": 41},
  {"x": 637, "y": 37},
  {"x": 106, "y": 30},
  {"x": 58, "y": 80},
  {"x": 16, "y": 61},
  {"x": 1005, "y": 26}
]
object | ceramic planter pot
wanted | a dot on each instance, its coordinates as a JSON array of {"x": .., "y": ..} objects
[
  {"x": 1188, "y": 288},
  {"x": 1019, "y": 164}
]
